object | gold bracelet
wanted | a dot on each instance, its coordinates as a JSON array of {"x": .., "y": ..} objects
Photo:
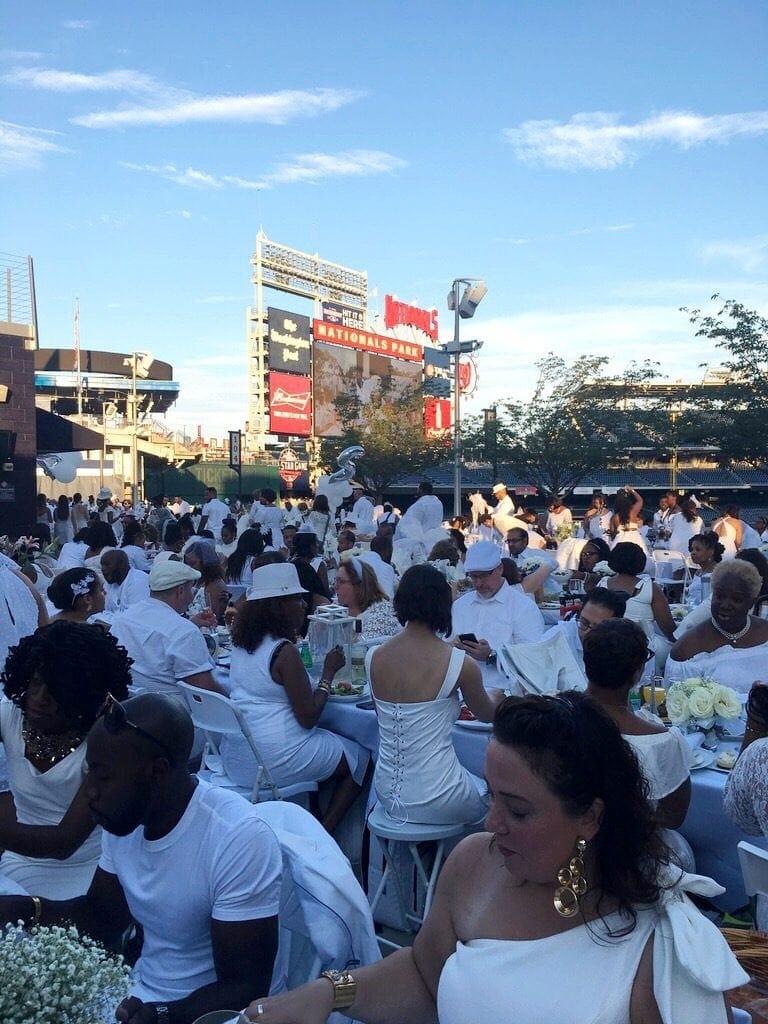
[
  {"x": 344, "y": 988},
  {"x": 38, "y": 908}
]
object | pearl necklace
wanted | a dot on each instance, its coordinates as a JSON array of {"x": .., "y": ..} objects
[{"x": 732, "y": 637}]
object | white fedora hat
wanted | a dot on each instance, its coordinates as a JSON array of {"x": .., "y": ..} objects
[{"x": 279, "y": 579}]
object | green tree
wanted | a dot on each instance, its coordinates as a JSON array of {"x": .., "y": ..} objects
[
  {"x": 737, "y": 405},
  {"x": 577, "y": 420},
  {"x": 391, "y": 429}
]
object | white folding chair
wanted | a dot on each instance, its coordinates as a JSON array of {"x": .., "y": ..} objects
[
  {"x": 547, "y": 666},
  {"x": 215, "y": 715},
  {"x": 754, "y": 871}
]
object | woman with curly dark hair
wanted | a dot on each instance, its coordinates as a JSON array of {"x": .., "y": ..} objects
[
  {"x": 269, "y": 684},
  {"x": 56, "y": 682},
  {"x": 100, "y": 538},
  {"x": 565, "y": 909},
  {"x": 418, "y": 776}
]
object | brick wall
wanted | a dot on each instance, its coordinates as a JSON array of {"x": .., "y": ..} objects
[{"x": 17, "y": 371}]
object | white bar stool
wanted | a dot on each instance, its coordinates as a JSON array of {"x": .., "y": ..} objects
[{"x": 390, "y": 831}]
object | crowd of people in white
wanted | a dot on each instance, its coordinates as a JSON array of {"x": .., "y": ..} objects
[{"x": 120, "y": 604}]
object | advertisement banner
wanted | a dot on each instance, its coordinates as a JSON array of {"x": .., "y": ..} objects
[
  {"x": 344, "y": 371},
  {"x": 289, "y": 341},
  {"x": 290, "y": 404},
  {"x": 367, "y": 342},
  {"x": 438, "y": 417},
  {"x": 343, "y": 316},
  {"x": 398, "y": 314}
]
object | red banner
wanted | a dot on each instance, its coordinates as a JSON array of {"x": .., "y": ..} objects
[
  {"x": 400, "y": 313},
  {"x": 367, "y": 342},
  {"x": 290, "y": 404},
  {"x": 437, "y": 416}
]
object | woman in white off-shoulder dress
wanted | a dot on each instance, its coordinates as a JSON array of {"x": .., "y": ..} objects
[{"x": 565, "y": 911}]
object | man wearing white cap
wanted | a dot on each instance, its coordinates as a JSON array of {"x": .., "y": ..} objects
[
  {"x": 164, "y": 645},
  {"x": 107, "y": 512},
  {"x": 503, "y": 512},
  {"x": 362, "y": 514},
  {"x": 494, "y": 613}
]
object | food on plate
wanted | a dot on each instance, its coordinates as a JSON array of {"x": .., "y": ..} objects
[
  {"x": 465, "y": 715},
  {"x": 726, "y": 760},
  {"x": 347, "y": 689}
]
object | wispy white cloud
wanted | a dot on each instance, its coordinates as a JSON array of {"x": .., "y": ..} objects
[
  {"x": 599, "y": 229},
  {"x": 22, "y": 146},
  {"x": 349, "y": 163},
  {"x": 750, "y": 254},
  {"x": 268, "y": 108},
  {"x": 307, "y": 167},
  {"x": 77, "y": 24},
  {"x": 55, "y": 80},
  {"x": 16, "y": 55},
  {"x": 185, "y": 214},
  {"x": 599, "y": 141}
]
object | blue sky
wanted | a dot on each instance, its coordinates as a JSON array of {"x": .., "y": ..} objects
[{"x": 599, "y": 164}]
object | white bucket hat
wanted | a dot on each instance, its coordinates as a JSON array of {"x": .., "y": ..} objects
[
  {"x": 499, "y": 487},
  {"x": 104, "y": 494},
  {"x": 279, "y": 579}
]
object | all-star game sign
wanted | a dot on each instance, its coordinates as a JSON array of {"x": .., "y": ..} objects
[{"x": 289, "y": 467}]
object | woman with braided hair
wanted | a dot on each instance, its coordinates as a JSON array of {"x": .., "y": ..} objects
[{"x": 56, "y": 682}]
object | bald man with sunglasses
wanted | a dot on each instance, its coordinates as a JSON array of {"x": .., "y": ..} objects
[{"x": 194, "y": 865}]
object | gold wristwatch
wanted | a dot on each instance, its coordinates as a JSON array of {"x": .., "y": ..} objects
[{"x": 344, "y": 988}]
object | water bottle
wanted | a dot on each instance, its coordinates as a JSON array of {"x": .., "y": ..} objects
[
  {"x": 305, "y": 654},
  {"x": 357, "y": 653}
]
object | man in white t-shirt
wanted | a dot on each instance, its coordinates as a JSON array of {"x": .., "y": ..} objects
[
  {"x": 425, "y": 514},
  {"x": 362, "y": 514},
  {"x": 164, "y": 645},
  {"x": 193, "y": 864},
  {"x": 124, "y": 585},
  {"x": 268, "y": 517},
  {"x": 215, "y": 512},
  {"x": 600, "y": 605},
  {"x": 494, "y": 612},
  {"x": 504, "y": 511},
  {"x": 520, "y": 549}
]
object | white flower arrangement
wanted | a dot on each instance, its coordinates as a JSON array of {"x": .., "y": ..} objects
[
  {"x": 700, "y": 701},
  {"x": 452, "y": 573},
  {"x": 564, "y": 532},
  {"x": 528, "y": 565},
  {"x": 603, "y": 569},
  {"x": 53, "y": 974}
]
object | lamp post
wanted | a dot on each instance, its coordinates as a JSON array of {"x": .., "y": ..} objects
[
  {"x": 463, "y": 308},
  {"x": 139, "y": 363}
]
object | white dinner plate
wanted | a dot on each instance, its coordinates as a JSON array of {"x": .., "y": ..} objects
[
  {"x": 474, "y": 724},
  {"x": 347, "y": 698},
  {"x": 701, "y": 758}
]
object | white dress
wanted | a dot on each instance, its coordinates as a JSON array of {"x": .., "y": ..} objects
[
  {"x": 42, "y": 798},
  {"x": 640, "y": 610},
  {"x": 737, "y": 667},
  {"x": 682, "y": 531},
  {"x": 290, "y": 752},
  {"x": 629, "y": 533},
  {"x": 418, "y": 777},
  {"x": 727, "y": 534},
  {"x": 583, "y": 976}
]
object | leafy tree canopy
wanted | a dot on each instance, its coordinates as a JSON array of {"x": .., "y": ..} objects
[{"x": 391, "y": 429}]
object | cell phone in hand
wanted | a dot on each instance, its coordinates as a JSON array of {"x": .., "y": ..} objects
[
  {"x": 366, "y": 705},
  {"x": 468, "y": 638}
]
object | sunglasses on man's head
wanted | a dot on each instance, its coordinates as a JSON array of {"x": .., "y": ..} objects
[{"x": 116, "y": 720}]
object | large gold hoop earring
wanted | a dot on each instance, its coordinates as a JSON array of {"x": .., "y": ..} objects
[{"x": 573, "y": 884}]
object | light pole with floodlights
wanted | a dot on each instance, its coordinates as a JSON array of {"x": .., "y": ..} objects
[{"x": 463, "y": 308}]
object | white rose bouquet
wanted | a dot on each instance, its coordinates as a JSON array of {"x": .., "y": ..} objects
[
  {"x": 54, "y": 975},
  {"x": 700, "y": 702},
  {"x": 603, "y": 569}
]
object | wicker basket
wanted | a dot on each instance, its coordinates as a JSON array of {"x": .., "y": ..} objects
[{"x": 751, "y": 950}]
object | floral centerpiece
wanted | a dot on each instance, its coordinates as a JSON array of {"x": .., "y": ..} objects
[
  {"x": 564, "y": 532},
  {"x": 603, "y": 569},
  {"x": 528, "y": 565},
  {"x": 452, "y": 573},
  {"x": 54, "y": 975},
  {"x": 702, "y": 704},
  {"x": 22, "y": 551}
]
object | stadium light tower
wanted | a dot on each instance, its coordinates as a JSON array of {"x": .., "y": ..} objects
[{"x": 462, "y": 308}]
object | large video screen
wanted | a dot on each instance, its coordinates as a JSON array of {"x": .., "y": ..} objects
[{"x": 341, "y": 371}]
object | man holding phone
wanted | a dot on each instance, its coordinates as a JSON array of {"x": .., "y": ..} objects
[{"x": 493, "y": 613}]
